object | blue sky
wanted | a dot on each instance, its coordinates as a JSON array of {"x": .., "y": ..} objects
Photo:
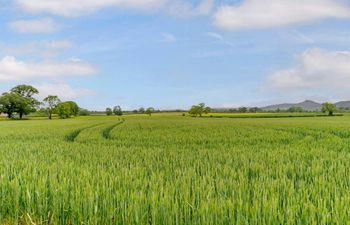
[{"x": 172, "y": 54}]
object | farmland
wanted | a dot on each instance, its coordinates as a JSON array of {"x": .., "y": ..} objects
[{"x": 170, "y": 169}]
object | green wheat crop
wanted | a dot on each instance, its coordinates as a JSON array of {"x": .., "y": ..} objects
[{"x": 170, "y": 169}]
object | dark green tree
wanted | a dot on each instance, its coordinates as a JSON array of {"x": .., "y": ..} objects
[
  {"x": 195, "y": 111},
  {"x": 142, "y": 110},
  {"x": 27, "y": 103},
  {"x": 109, "y": 112},
  {"x": 51, "y": 103},
  {"x": 9, "y": 103},
  {"x": 149, "y": 111},
  {"x": 329, "y": 108},
  {"x": 67, "y": 109},
  {"x": 117, "y": 110}
]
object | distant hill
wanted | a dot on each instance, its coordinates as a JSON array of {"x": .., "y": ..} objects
[
  {"x": 343, "y": 104},
  {"x": 307, "y": 105}
]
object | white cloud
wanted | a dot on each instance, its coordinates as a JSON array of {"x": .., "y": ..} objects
[
  {"x": 42, "y": 48},
  {"x": 220, "y": 39},
  {"x": 168, "y": 38},
  {"x": 44, "y": 25},
  {"x": 14, "y": 69},
  {"x": 317, "y": 69},
  {"x": 69, "y": 8},
  {"x": 271, "y": 13},
  {"x": 63, "y": 91}
]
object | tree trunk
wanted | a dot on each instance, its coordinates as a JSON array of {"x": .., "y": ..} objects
[
  {"x": 50, "y": 116},
  {"x": 9, "y": 115},
  {"x": 20, "y": 115}
]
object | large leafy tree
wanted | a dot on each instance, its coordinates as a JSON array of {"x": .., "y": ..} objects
[
  {"x": 26, "y": 91},
  {"x": 51, "y": 102},
  {"x": 67, "y": 109},
  {"x": 117, "y": 110},
  {"x": 199, "y": 110},
  {"x": 329, "y": 108},
  {"x": 109, "y": 112},
  {"x": 26, "y": 103},
  {"x": 74, "y": 108},
  {"x": 9, "y": 103},
  {"x": 149, "y": 111}
]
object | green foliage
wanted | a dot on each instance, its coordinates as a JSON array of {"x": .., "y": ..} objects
[
  {"x": 141, "y": 110},
  {"x": 19, "y": 100},
  {"x": 254, "y": 110},
  {"x": 243, "y": 110},
  {"x": 10, "y": 103},
  {"x": 25, "y": 91},
  {"x": 51, "y": 103},
  {"x": 67, "y": 109},
  {"x": 149, "y": 111},
  {"x": 117, "y": 110},
  {"x": 199, "y": 110},
  {"x": 295, "y": 109},
  {"x": 84, "y": 112},
  {"x": 329, "y": 108},
  {"x": 109, "y": 112},
  {"x": 175, "y": 170}
]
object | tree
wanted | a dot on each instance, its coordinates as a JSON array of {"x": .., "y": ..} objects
[
  {"x": 198, "y": 110},
  {"x": 26, "y": 91},
  {"x": 254, "y": 109},
  {"x": 74, "y": 108},
  {"x": 195, "y": 111},
  {"x": 26, "y": 103},
  {"x": 51, "y": 102},
  {"x": 207, "y": 110},
  {"x": 117, "y": 110},
  {"x": 84, "y": 112},
  {"x": 149, "y": 111},
  {"x": 295, "y": 109},
  {"x": 67, "y": 109},
  {"x": 243, "y": 109},
  {"x": 142, "y": 110},
  {"x": 109, "y": 111},
  {"x": 328, "y": 108},
  {"x": 9, "y": 103}
]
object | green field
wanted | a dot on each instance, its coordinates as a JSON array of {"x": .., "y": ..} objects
[{"x": 170, "y": 169}]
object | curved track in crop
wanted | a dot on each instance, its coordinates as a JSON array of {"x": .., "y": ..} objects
[
  {"x": 74, "y": 134},
  {"x": 106, "y": 133}
]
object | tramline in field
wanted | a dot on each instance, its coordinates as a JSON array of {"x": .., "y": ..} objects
[{"x": 170, "y": 169}]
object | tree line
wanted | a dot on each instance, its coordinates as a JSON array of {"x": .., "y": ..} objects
[
  {"x": 20, "y": 101},
  {"x": 200, "y": 109}
]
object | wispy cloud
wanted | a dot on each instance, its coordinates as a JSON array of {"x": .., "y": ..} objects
[
  {"x": 316, "y": 69},
  {"x": 168, "y": 38},
  {"x": 12, "y": 69},
  {"x": 44, "y": 49},
  {"x": 271, "y": 13},
  {"x": 220, "y": 39},
  {"x": 43, "y": 25}
]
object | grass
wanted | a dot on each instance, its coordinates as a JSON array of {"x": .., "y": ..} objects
[
  {"x": 169, "y": 169},
  {"x": 267, "y": 115}
]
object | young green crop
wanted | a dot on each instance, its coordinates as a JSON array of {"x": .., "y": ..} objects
[{"x": 170, "y": 169}]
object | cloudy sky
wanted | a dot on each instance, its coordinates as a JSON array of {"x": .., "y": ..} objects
[{"x": 176, "y": 53}]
